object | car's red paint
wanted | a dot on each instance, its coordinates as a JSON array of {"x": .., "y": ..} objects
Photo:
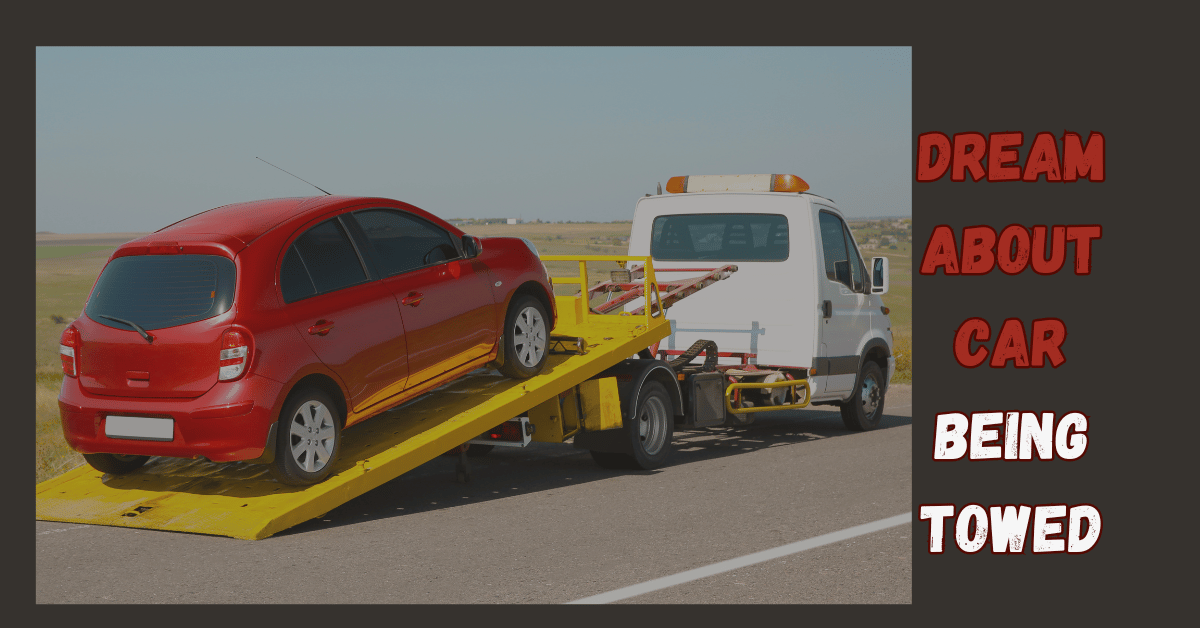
[{"x": 376, "y": 351}]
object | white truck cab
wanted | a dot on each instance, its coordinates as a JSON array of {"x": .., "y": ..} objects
[{"x": 802, "y": 303}]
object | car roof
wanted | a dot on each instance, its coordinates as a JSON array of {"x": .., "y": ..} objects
[
  {"x": 246, "y": 221},
  {"x": 233, "y": 227}
]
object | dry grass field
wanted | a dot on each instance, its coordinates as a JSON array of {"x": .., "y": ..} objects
[{"x": 67, "y": 266}]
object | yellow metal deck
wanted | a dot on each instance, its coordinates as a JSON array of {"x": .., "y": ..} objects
[{"x": 243, "y": 501}]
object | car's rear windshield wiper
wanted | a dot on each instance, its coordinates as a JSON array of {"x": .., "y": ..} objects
[{"x": 132, "y": 324}]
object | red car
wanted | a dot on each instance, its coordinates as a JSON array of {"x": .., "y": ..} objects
[{"x": 258, "y": 331}]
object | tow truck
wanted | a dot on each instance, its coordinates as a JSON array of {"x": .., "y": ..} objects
[{"x": 608, "y": 386}]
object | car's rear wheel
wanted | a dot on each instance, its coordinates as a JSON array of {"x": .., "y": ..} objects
[
  {"x": 526, "y": 338},
  {"x": 116, "y": 464},
  {"x": 310, "y": 439}
]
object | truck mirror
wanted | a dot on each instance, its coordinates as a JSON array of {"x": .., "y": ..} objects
[{"x": 879, "y": 275}]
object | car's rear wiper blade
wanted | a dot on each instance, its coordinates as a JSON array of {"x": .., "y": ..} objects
[{"x": 132, "y": 324}]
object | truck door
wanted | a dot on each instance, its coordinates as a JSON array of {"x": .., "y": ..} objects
[{"x": 843, "y": 306}]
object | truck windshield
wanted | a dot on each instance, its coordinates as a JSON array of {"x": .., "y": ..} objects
[
  {"x": 725, "y": 237},
  {"x": 157, "y": 291}
]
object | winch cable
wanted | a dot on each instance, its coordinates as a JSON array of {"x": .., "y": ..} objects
[{"x": 710, "y": 356}]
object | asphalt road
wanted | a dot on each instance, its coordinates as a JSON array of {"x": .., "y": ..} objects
[{"x": 546, "y": 525}]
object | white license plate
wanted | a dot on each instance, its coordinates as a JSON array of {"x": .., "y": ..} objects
[{"x": 139, "y": 428}]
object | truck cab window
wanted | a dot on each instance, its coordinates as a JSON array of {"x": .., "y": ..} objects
[
  {"x": 726, "y": 237},
  {"x": 833, "y": 242},
  {"x": 857, "y": 268}
]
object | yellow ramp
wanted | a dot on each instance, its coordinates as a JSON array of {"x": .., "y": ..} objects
[{"x": 243, "y": 501}]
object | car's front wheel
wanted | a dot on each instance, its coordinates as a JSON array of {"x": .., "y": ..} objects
[
  {"x": 309, "y": 439},
  {"x": 526, "y": 338}
]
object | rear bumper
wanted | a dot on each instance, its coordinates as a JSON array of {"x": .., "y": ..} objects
[{"x": 229, "y": 422}]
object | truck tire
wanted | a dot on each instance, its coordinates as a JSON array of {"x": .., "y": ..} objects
[
  {"x": 863, "y": 410},
  {"x": 114, "y": 463},
  {"x": 649, "y": 430},
  {"x": 310, "y": 439}
]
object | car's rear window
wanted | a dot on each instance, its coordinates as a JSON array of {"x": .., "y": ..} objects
[
  {"x": 157, "y": 291},
  {"x": 725, "y": 237}
]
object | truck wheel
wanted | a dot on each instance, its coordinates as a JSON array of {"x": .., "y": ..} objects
[
  {"x": 310, "y": 438},
  {"x": 649, "y": 430},
  {"x": 526, "y": 338},
  {"x": 115, "y": 464},
  {"x": 863, "y": 410}
]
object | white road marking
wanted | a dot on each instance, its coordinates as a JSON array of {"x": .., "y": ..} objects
[{"x": 744, "y": 561}]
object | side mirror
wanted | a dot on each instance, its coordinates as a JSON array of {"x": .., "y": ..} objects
[
  {"x": 879, "y": 275},
  {"x": 471, "y": 246}
]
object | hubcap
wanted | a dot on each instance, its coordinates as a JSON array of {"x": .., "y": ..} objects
[
  {"x": 870, "y": 395},
  {"x": 529, "y": 337},
  {"x": 652, "y": 425},
  {"x": 312, "y": 436}
]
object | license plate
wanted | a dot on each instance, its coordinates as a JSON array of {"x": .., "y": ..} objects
[{"x": 139, "y": 428}]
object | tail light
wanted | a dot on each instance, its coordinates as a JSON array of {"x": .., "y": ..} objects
[
  {"x": 506, "y": 431},
  {"x": 512, "y": 433},
  {"x": 68, "y": 349},
  {"x": 235, "y": 354}
]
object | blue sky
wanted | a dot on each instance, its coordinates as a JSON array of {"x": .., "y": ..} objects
[{"x": 132, "y": 139}]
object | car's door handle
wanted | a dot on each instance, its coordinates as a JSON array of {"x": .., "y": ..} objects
[
  {"x": 827, "y": 309},
  {"x": 413, "y": 299},
  {"x": 321, "y": 328}
]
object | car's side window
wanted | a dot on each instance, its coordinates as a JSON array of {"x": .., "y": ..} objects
[
  {"x": 294, "y": 282},
  {"x": 403, "y": 242},
  {"x": 833, "y": 241},
  {"x": 327, "y": 257}
]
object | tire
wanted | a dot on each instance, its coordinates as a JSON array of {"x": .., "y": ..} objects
[
  {"x": 526, "y": 340},
  {"x": 299, "y": 462},
  {"x": 862, "y": 411},
  {"x": 115, "y": 464},
  {"x": 649, "y": 430}
]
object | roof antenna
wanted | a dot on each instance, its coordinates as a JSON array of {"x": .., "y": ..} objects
[
  {"x": 660, "y": 188},
  {"x": 282, "y": 170}
]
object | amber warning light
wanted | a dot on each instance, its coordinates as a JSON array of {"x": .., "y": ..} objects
[{"x": 737, "y": 183}]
